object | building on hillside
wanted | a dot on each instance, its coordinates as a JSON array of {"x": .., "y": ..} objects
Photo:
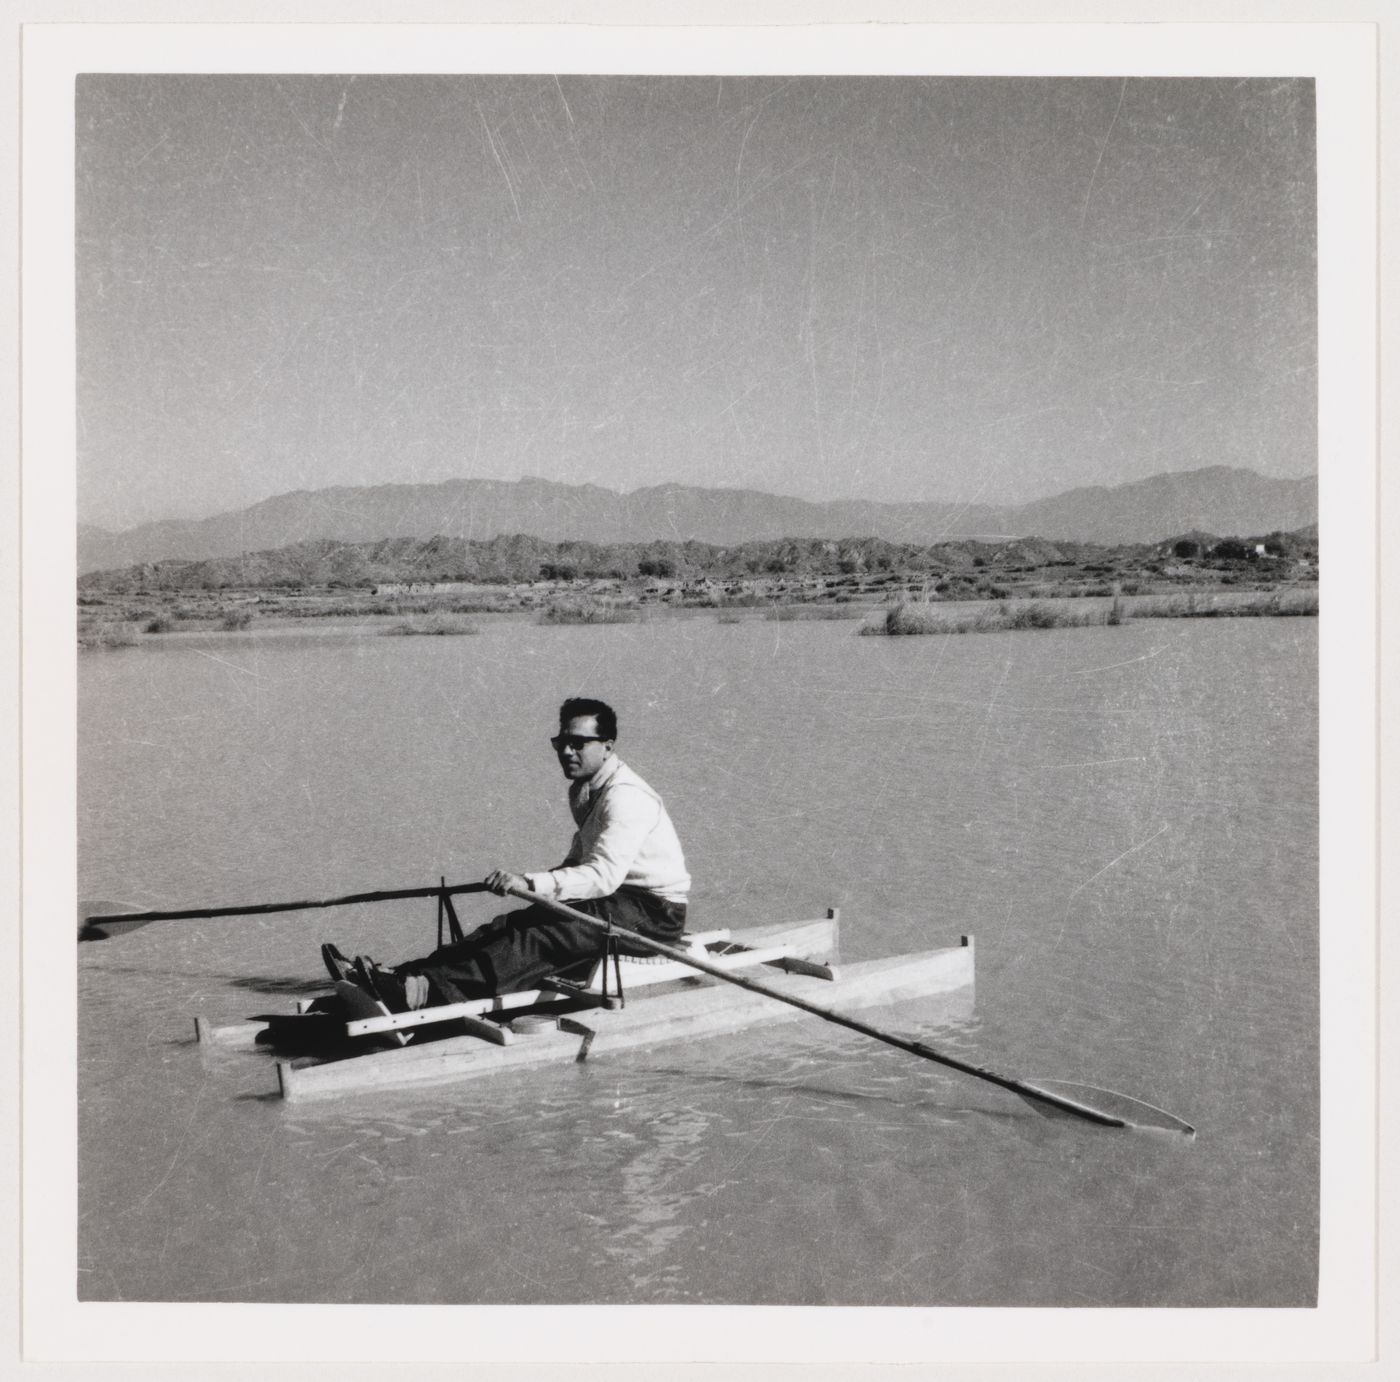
[{"x": 423, "y": 588}]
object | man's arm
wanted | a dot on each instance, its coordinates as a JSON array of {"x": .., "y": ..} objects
[
  {"x": 610, "y": 841},
  {"x": 500, "y": 881}
]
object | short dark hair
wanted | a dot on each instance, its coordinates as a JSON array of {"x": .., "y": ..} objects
[{"x": 601, "y": 711}]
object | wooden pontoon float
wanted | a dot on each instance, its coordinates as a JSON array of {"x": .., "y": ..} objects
[{"x": 365, "y": 1047}]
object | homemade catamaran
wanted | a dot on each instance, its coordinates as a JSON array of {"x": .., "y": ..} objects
[
  {"x": 707, "y": 984},
  {"x": 585, "y": 1015}
]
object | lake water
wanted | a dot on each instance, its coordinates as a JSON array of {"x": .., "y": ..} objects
[{"x": 1125, "y": 818}]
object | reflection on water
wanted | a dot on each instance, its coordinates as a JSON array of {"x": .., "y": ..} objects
[{"x": 1124, "y": 818}]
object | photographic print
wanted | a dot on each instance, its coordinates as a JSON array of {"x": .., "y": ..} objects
[{"x": 697, "y": 689}]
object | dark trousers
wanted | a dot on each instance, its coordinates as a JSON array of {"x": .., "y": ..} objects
[{"x": 518, "y": 949}]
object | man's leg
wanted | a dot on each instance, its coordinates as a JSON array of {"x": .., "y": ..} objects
[
  {"x": 511, "y": 952},
  {"x": 516, "y": 950}
]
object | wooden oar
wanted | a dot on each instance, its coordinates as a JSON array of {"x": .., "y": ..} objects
[
  {"x": 94, "y": 926},
  {"x": 1121, "y": 1111}
]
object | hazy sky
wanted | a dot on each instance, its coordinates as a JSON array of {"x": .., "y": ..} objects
[{"x": 941, "y": 288}]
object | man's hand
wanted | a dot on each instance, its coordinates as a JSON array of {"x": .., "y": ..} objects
[{"x": 500, "y": 881}]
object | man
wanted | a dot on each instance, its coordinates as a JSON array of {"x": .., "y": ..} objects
[{"x": 625, "y": 865}]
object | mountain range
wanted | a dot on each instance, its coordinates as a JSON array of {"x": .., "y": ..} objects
[{"x": 1217, "y": 499}]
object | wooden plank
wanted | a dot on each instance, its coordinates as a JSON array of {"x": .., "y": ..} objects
[
  {"x": 235, "y": 1034},
  {"x": 266, "y": 1028},
  {"x": 807, "y": 939},
  {"x": 667, "y": 972},
  {"x": 360, "y": 1004},
  {"x": 394, "y": 1022},
  {"x": 431, "y": 1063},
  {"x": 793, "y": 965},
  {"x": 445, "y": 1012},
  {"x": 714, "y": 1012},
  {"x": 492, "y": 1032}
]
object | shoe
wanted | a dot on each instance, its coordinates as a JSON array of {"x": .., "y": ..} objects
[
  {"x": 395, "y": 993},
  {"x": 339, "y": 966}
]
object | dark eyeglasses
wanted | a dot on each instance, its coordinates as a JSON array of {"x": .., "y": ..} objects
[{"x": 574, "y": 741}]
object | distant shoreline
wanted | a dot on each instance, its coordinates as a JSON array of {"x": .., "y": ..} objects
[
  {"x": 418, "y": 586},
  {"x": 675, "y": 569},
  {"x": 145, "y": 618}
]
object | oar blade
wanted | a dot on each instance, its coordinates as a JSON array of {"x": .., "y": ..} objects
[
  {"x": 89, "y": 930},
  {"x": 1133, "y": 1113}
]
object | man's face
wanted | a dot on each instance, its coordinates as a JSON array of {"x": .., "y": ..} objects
[{"x": 581, "y": 752}]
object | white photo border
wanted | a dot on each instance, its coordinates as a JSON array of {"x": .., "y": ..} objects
[{"x": 1341, "y": 58}]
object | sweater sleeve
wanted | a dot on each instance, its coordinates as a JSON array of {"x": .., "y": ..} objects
[{"x": 609, "y": 841}]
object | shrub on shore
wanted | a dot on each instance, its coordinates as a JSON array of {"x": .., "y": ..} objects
[
  {"x": 1009, "y": 615},
  {"x": 785, "y": 613},
  {"x": 1264, "y": 603},
  {"x": 236, "y": 619},
  {"x": 999, "y": 618},
  {"x": 597, "y": 612},
  {"x": 108, "y": 635},
  {"x": 432, "y": 625},
  {"x": 162, "y": 623},
  {"x": 1034, "y": 615}
]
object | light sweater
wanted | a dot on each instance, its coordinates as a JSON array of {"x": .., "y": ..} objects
[{"x": 624, "y": 836}]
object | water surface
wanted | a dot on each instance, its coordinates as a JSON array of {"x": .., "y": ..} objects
[{"x": 1126, "y": 820}]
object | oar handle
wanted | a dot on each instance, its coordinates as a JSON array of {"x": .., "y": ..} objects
[
  {"x": 916, "y": 1048},
  {"x": 259, "y": 908}
]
